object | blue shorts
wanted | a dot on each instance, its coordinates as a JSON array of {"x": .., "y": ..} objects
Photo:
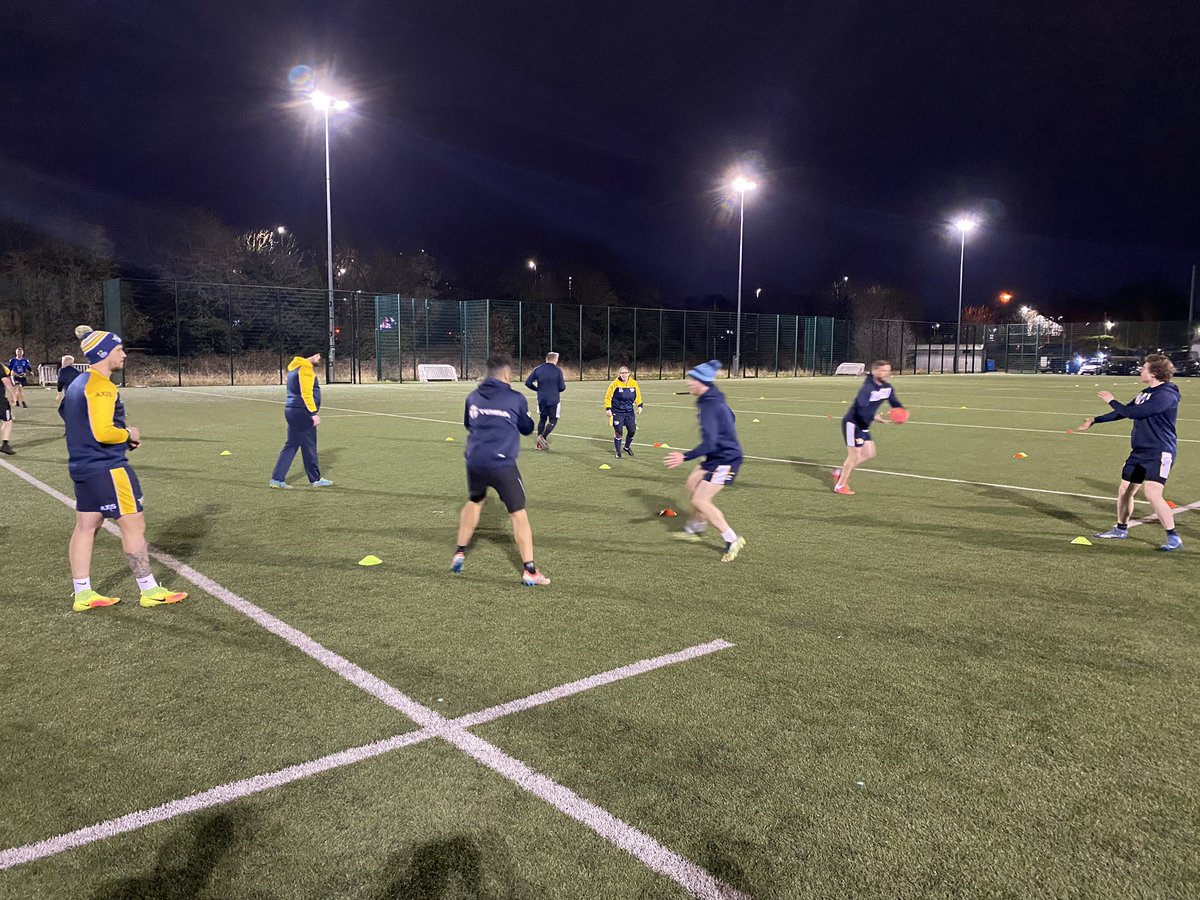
[
  {"x": 550, "y": 410},
  {"x": 721, "y": 473},
  {"x": 1144, "y": 465},
  {"x": 855, "y": 434},
  {"x": 112, "y": 493},
  {"x": 626, "y": 420},
  {"x": 20, "y": 379}
]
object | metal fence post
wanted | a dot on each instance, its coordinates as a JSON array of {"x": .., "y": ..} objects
[
  {"x": 796, "y": 346},
  {"x": 279, "y": 331},
  {"x": 178, "y": 345},
  {"x": 229, "y": 319},
  {"x": 581, "y": 342},
  {"x": 635, "y": 341},
  {"x": 660, "y": 369},
  {"x": 776, "y": 345},
  {"x": 608, "y": 332},
  {"x": 487, "y": 329},
  {"x": 551, "y": 327},
  {"x": 521, "y": 336}
]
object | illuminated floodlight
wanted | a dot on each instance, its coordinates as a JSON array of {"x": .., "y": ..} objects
[
  {"x": 741, "y": 184},
  {"x": 965, "y": 224}
]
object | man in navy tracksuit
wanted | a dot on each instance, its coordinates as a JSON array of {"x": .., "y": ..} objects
[
  {"x": 547, "y": 379},
  {"x": 301, "y": 410},
  {"x": 1154, "y": 443},
  {"x": 495, "y": 418},
  {"x": 722, "y": 459},
  {"x": 856, "y": 423}
]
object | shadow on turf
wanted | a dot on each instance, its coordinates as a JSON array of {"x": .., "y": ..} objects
[
  {"x": 453, "y": 867},
  {"x": 184, "y": 866}
]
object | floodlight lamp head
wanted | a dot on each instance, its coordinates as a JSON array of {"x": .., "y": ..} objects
[
  {"x": 741, "y": 184},
  {"x": 965, "y": 224},
  {"x": 320, "y": 100}
]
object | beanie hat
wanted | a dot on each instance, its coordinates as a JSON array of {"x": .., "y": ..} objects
[
  {"x": 96, "y": 345},
  {"x": 706, "y": 372}
]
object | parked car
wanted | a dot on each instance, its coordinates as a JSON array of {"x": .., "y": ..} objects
[{"x": 1186, "y": 364}]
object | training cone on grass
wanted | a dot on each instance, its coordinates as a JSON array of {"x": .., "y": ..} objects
[
  {"x": 1020, "y": 456},
  {"x": 657, "y": 444},
  {"x": 962, "y": 407},
  {"x": 1070, "y": 431},
  {"x": 1082, "y": 541},
  {"x": 449, "y": 440},
  {"x": 226, "y": 453},
  {"x": 668, "y": 512},
  {"x": 370, "y": 561},
  {"x": 1171, "y": 504},
  {"x": 755, "y": 420},
  {"x": 605, "y": 466}
]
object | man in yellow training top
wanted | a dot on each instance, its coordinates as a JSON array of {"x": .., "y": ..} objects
[
  {"x": 623, "y": 405},
  {"x": 105, "y": 486},
  {"x": 301, "y": 410}
]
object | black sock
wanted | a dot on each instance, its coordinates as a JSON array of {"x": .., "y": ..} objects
[
  {"x": 530, "y": 567},
  {"x": 461, "y": 549},
  {"x": 617, "y": 444},
  {"x": 1171, "y": 532},
  {"x": 1123, "y": 526}
]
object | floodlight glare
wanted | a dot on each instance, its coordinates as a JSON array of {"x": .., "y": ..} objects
[
  {"x": 742, "y": 184},
  {"x": 320, "y": 100},
  {"x": 965, "y": 225}
]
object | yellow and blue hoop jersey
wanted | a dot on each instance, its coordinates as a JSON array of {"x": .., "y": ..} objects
[
  {"x": 97, "y": 438},
  {"x": 623, "y": 396}
]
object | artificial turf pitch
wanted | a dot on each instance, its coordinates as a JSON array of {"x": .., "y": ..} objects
[{"x": 932, "y": 692}]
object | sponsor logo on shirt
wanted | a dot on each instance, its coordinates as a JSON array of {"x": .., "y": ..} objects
[{"x": 476, "y": 411}]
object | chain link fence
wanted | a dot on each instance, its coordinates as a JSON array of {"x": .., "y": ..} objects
[{"x": 186, "y": 333}]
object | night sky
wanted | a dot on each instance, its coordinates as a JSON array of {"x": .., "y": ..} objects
[{"x": 486, "y": 133}]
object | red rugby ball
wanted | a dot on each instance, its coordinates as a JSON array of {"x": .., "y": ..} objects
[{"x": 899, "y": 415}]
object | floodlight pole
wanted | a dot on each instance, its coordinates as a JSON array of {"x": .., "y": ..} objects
[
  {"x": 1191, "y": 332},
  {"x": 737, "y": 339},
  {"x": 332, "y": 358},
  {"x": 962, "y": 256}
]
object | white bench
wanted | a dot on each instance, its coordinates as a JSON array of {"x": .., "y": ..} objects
[
  {"x": 436, "y": 372},
  {"x": 48, "y": 373},
  {"x": 851, "y": 369}
]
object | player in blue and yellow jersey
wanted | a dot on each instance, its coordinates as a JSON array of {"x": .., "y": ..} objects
[
  {"x": 301, "y": 411},
  {"x": 547, "y": 379},
  {"x": 623, "y": 405},
  {"x": 495, "y": 417},
  {"x": 722, "y": 454},
  {"x": 856, "y": 423},
  {"x": 105, "y": 486},
  {"x": 1154, "y": 445},
  {"x": 7, "y": 398},
  {"x": 20, "y": 368}
]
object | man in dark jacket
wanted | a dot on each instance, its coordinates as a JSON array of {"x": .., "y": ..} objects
[
  {"x": 495, "y": 418},
  {"x": 547, "y": 379},
  {"x": 301, "y": 411},
  {"x": 722, "y": 459},
  {"x": 1153, "y": 443}
]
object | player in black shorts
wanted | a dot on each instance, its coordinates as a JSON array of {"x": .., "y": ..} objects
[{"x": 495, "y": 418}]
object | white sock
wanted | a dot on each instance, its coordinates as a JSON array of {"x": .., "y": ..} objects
[
  {"x": 694, "y": 527},
  {"x": 729, "y": 535},
  {"x": 148, "y": 583},
  {"x": 82, "y": 584}
]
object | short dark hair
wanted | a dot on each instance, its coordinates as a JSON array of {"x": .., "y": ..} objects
[
  {"x": 880, "y": 362},
  {"x": 497, "y": 363},
  {"x": 1160, "y": 366}
]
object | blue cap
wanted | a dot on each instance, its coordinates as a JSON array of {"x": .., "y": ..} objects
[
  {"x": 96, "y": 345},
  {"x": 706, "y": 372}
]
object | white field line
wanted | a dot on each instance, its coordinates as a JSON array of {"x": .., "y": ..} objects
[
  {"x": 235, "y": 790},
  {"x": 652, "y": 854},
  {"x": 791, "y": 462},
  {"x": 1154, "y": 518}
]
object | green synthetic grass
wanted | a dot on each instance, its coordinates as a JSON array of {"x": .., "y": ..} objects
[{"x": 932, "y": 693}]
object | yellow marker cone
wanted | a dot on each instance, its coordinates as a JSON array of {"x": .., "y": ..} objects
[
  {"x": 762, "y": 398},
  {"x": 1083, "y": 541},
  {"x": 606, "y": 466},
  {"x": 668, "y": 446},
  {"x": 226, "y": 453},
  {"x": 370, "y": 561},
  {"x": 450, "y": 440},
  {"x": 962, "y": 407},
  {"x": 754, "y": 420}
]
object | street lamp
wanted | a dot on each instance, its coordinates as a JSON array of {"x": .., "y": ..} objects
[
  {"x": 964, "y": 224},
  {"x": 741, "y": 185},
  {"x": 325, "y": 104}
]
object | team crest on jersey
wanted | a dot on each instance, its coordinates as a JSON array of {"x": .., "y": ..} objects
[{"x": 1141, "y": 398}]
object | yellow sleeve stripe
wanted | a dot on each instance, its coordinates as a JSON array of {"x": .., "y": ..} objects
[
  {"x": 101, "y": 397},
  {"x": 126, "y": 502}
]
